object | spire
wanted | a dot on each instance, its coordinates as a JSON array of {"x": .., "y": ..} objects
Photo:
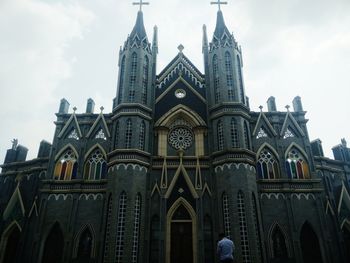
[
  {"x": 139, "y": 28},
  {"x": 205, "y": 39},
  {"x": 220, "y": 28},
  {"x": 155, "y": 39}
]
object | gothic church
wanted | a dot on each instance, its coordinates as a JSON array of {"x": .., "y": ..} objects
[{"x": 179, "y": 159}]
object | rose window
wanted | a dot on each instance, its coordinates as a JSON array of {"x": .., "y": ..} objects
[{"x": 180, "y": 138}]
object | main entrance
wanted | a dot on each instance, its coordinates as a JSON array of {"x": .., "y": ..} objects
[{"x": 180, "y": 235}]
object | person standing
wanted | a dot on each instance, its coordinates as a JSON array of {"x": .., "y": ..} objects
[{"x": 225, "y": 249}]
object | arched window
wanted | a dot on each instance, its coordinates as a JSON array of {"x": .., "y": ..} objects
[
  {"x": 240, "y": 79},
  {"x": 108, "y": 228},
  {"x": 121, "y": 80},
  {"x": 243, "y": 227},
  {"x": 208, "y": 240},
  {"x": 66, "y": 166},
  {"x": 234, "y": 134},
  {"x": 229, "y": 76},
  {"x": 85, "y": 245},
  {"x": 279, "y": 246},
  {"x": 310, "y": 245},
  {"x": 142, "y": 136},
  {"x": 128, "y": 134},
  {"x": 226, "y": 211},
  {"x": 95, "y": 166},
  {"x": 132, "y": 77},
  {"x": 53, "y": 248},
  {"x": 220, "y": 134},
  {"x": 246, "y": 135},
  {"x": 121, "y": 228},
  {"x": 216, "y": 79},
  {"x": 296, "y": 165},
  {"x": 116, "y": 141},
  {"x": 136, "y": 234},
  {"x": 267, "y": 165},
  {"x": 257, "y": 230},
  {"x": 145, "y": 80}
]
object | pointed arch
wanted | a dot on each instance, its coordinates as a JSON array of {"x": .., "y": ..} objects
[
  {"x": 119, "y": 251},
  {"x": 128, "y": 134},
  {"x": 220, "y": 135},
  {"x": 66, "y": 147},
  {"x": 116, "y": 137},
  {"x": 9, "y": 242},
  {"x": 234, "y": 133},
  {"x": 132, "y": 80},
  {"x": 145, "y": 80},
  {"x": 66, "y": 164},
  {"x": 240, "y": 79},
  {"x": 243, "y": 227},
  {"x": 181, "y": 202},
  {"x": 85, "y": 242},
  {"x": 136, "y": 230},
  {"x": 296, "y": 162},
  {"x": 310, "y": 245},
  {"x": 226, "y": 214},
  {"x": 142, "y": 135},
  {"x": 95, "y": 167},
  {"x": 229, "y": 76},
  {"x": 216, "y": 78},
  {"x": 121, "y": 80},
  {"x": 246, "y": 134},
  {"x": 53, "y": 245},
  {"x": 279, "y": 244},
  {"x": 267, "y": 162}
]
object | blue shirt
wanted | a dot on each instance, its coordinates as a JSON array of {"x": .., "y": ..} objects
[{"x": 225, "y": 249}]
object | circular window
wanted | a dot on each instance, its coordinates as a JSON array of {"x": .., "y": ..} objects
[
  {"x": 180, "y": 138},
  {"x": 180, "y": 93}
]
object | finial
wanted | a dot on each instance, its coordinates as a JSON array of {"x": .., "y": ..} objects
[
  {"x": 102, "y": 108},
  {"x": 141, "y": 3},
  {"x": 219, "y": 3},
  {"x": 74, "y": 109},
  {"x": 343, "y": 142},
  {"x": 180, "y": 48},
  {"x": 261, "y": 108},
  {"x": 287, "y": 107},
  {"x": 14, "y": 144}
]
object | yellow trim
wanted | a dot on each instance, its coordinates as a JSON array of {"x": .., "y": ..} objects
[
  {"x": 173, "y": 208},
  {"x": 180, "y": 78},
  {"x": 187, "y": 179}
]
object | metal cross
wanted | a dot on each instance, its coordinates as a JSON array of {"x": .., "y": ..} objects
[
  {"x": 141, "y": 3},
  {"x": 219, "y": 3}
]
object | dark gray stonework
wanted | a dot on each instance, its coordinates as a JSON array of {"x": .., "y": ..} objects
[{"x": 180, "y": 158}]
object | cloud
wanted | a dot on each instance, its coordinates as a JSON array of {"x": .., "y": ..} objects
[{"x": 34, "y": 37}]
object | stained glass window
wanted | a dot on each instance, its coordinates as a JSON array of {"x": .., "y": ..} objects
[
  {"x": 267, "y": 165},
  {"x": 95, "y": 166},
  {"x": 128, "y": 134},
  {"x": 66, "y": 166},
  {"x": 296, "y": 165},
  {"x": 220, "y": 133},
  {"x": 216, "y": 79},
  {"x": 234, "y": 134}
]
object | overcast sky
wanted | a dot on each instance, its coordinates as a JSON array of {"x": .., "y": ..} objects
[{"x": 50, "y": 49}]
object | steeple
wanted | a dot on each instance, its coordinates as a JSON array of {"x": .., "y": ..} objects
[
  {"x": 220, "y": 28},
  {"x": 139, "y": 28}
]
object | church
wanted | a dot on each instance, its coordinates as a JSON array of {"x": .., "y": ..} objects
[{"x": 180, "y": 158}]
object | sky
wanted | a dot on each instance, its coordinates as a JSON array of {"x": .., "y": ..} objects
[{"x": 53, "y": 49}]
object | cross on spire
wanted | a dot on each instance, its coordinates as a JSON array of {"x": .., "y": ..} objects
[
  {"x": 141, "y": 3},
  {"x": 219, "y": 3}
]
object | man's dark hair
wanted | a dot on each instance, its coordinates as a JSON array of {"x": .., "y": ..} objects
[{"x": 221, "y": 235}]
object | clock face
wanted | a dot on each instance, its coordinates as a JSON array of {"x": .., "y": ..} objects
[{"x": 180, "y": 93}]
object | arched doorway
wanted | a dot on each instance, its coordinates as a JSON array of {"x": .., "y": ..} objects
[
  {"x": 181, "y": 233},
  {"x": 310, "y": 245},
  {"x": 279, "y": 246},
  {"x": 53, "y": 248},
  {"x": 12, "y": 240}
]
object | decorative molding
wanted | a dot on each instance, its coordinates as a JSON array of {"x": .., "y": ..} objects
[
  {"x": 34, "y": 208},
  {"x": 126, "y": 165},
  {"x": 73, "y": 119},
  {"x": 93, "y": 197},
  {"x": 77, "y": 238},
  {"x": 57, "y": 197},
  {"x": 155, "y": 189},
  {"x": 262, "y": 118},
  {"x": 104, "y": 125},
  {"x": 275, "y": 195},
  {"x": 306, "y": 196},
  {"x": 235, "y": 165},
  {"x": 16, "y": 197},
  {"x": 294, "y": 122}
]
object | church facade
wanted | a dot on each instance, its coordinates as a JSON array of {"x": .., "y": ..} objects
[{"x": 180, "y": 159}]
